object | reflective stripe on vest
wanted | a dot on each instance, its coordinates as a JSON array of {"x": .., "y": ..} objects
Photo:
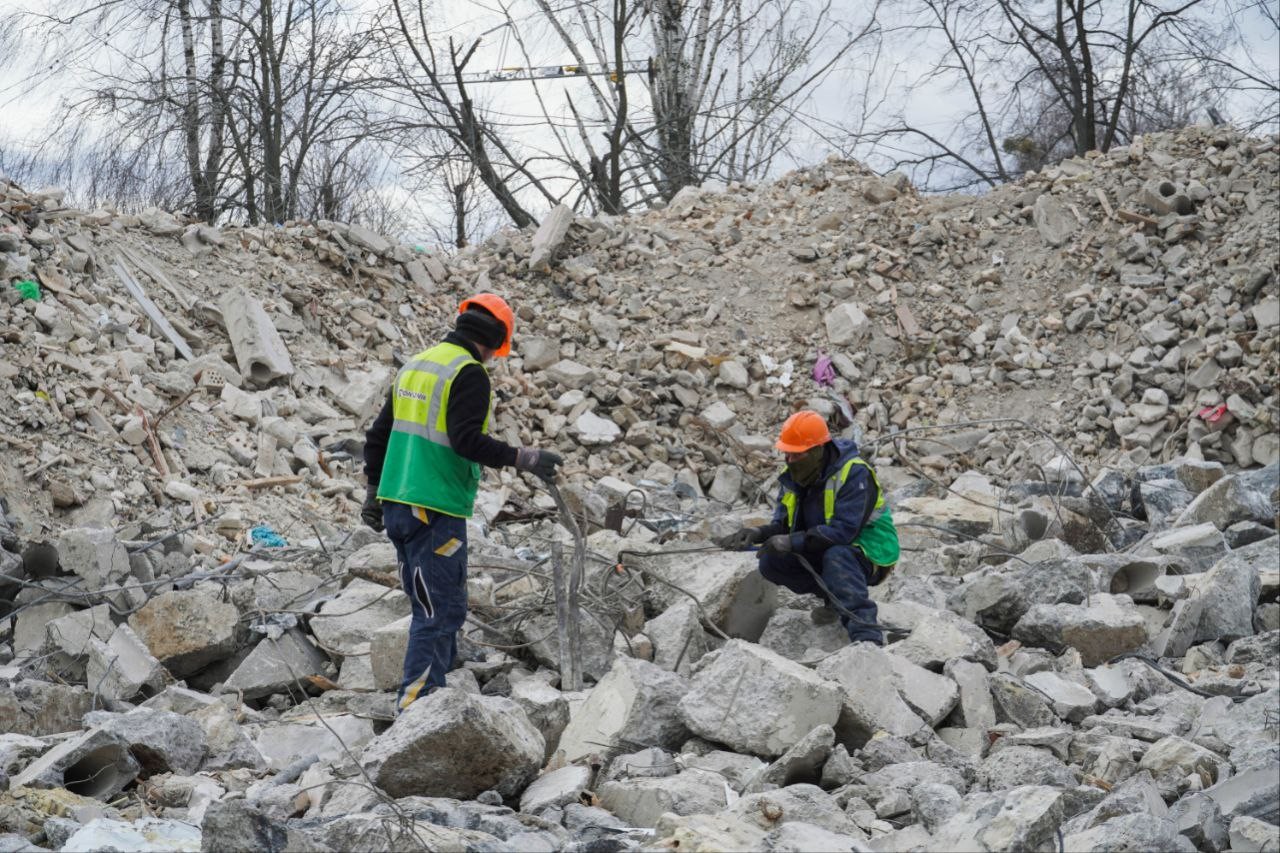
[
  {"x": 834, "y": 483},
  {"x": 877, "y": 537},
  {"x": 421, "y": 467},
  {"x": 408, "y": 408}
]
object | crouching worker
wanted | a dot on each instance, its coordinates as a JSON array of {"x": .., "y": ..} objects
[
  {"x": 423, "y": 457},
  {"x": 832, "y": 512}
]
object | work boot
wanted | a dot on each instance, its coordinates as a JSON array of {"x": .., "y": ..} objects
[{"x": 823, "y": 615}]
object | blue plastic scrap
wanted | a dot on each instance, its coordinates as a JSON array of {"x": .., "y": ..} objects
[{"x": 266, "y": 536}]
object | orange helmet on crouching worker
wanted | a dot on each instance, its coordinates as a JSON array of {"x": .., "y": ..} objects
[
  {"x": 498, "y": 307},
  {"x": 802, "y": 431}
]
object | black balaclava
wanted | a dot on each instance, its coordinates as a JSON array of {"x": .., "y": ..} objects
[
  {"x": 478, "y": 325},
  {"x": 806, "y": 469}
]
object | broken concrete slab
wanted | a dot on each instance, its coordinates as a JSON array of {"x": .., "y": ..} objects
[
  {"x": 93, "y": 554},
  {"x": 1228, "y": 592},
  {"x": 754, "y": 700},
  {"x": 550, "y": 234},
  {"x": 187, "y": 629},
  {"x": 160, "y": 741},
  {"x": 95, "y": 763},
  {"x": 633, "y": 705},
  {"x": 455, "y": 744},
  {"x": 1107, "y": 626},
  {"x": 350, "y": 620},
  {"x": 260, "y": 352},
  {"x": 277, "y": 665},
  {"x": 641, "y": 802},
  {"x": 123, "y": 666}
]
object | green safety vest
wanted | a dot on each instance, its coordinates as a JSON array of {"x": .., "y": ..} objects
[
  {"x": 421, "y": 467},
  {"x": 878, "y": 538}
]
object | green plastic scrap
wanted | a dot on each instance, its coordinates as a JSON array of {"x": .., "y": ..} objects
[{"x": 27, "y": 289}]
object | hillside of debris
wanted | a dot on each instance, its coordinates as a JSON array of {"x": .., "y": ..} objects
[{"x": 1068, "y": 387}]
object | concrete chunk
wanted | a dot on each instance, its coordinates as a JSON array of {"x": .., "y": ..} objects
[
  {"x": 121, "y": 667},
  {"x": 1052, "y": 220},
  {"x": 276, "y": 666},
  {"x": 1108, "y": 626},
  {"x": 757, "y": 701},
  {"x": 550, "y": 234},
  {"x": 1228, "y": 592},
  {"x": 635, "y": 702},
  {"x": 160, "y": 741},
  {"x": 356, "y": 614},
  {"x": 187, "y": 629},
  {"x": 571, "y": 374},
  {"x": 96, "y": 763},
  {"x": 677, "y": 637},
  {"x": 641, "y": 802},
  {"x": 259, "y": 350},
  {"x": 94, "y": 554},
  {"x": 847, "y": 325},
  {"x": 454, "y": 744}
]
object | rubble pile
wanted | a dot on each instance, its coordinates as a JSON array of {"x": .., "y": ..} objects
[{"x": 201, "y": 646}]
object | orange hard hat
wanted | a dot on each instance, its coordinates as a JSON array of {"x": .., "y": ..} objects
[
  {"x": 498, "y": 307},
  {"x": 802, "y": 431}
]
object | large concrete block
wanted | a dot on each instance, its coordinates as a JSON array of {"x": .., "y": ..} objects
[
  {"x": 94, "y": 554},
  {"x": 160, "y": 741},
  {"x": 346, "y": 622},
  {"x": 1107, "y": 626},
  {"x": 95, "y": 763},
  {"x": 641, "y": 802},
  {"x": 550, "y": 234},
  {"x": 546, "y": 707},
  {"x": 943, "y": 637},
  {"x": 634, "y": 704},
  {"x": 732, "y": 593},
  {"x": 123, "y": 666},
  {"x": 455, "y": 744},
  {"x": 1228, "y": 592},
  {"x": 276, "y": 666},
  {"x": 677, "y": 637},
  {"x": 871, "y": 702},
  {"x": 187, "y": 629},
  {"x": 260, "y": 352},
  {"x": 754, "y": 700},
  {"x": 387, "y": 647}
]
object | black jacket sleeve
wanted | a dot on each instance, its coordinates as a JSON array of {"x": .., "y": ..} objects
[
  {"x": 375, "y": 443},
  {"x": 464, "y": 419}
]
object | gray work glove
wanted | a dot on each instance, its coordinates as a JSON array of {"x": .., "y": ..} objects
[
  {"x": 541, "y": 463},
  {"x": 780, "y": 544},
  {"x": 371, "y": 511},
  {"x": 740, "y": 539}
]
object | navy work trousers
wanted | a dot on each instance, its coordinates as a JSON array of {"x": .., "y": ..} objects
[
  {"x": 431, "y": 549},
  {"x": 844, "y": 570}
]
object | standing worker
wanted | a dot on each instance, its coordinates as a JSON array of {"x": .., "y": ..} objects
[
  {"x": 422, "y": 457},
  {"x": 832, "y": 512}
]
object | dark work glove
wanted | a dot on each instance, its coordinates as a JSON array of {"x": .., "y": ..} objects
[
  {"x": 780, "y": 544},
  {"x": 371, "y": 511},
  {"x": 541, "y": 463},
  {"x": 740, "y": 539}
]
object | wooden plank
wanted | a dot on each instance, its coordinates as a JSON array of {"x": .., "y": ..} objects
[
  {"x": 268, "y": 482},
  {"x": 1106, "y": 205},
  {"x": 152, "y": 311},
  {"x": 144, "y": 263},
  {"x": 1130, "y": 216},
  {"x": 909, "y": 325}
]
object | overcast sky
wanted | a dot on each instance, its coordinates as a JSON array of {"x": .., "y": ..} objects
[{"x": 24, "y": 114}]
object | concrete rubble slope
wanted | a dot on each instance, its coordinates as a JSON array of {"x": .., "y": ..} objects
[{"x": 1082, "y": 634}]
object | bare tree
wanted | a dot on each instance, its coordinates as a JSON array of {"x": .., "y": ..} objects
[
  {"x": 1043, "y": 81},
  {"x": 240, "y": 92}
]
